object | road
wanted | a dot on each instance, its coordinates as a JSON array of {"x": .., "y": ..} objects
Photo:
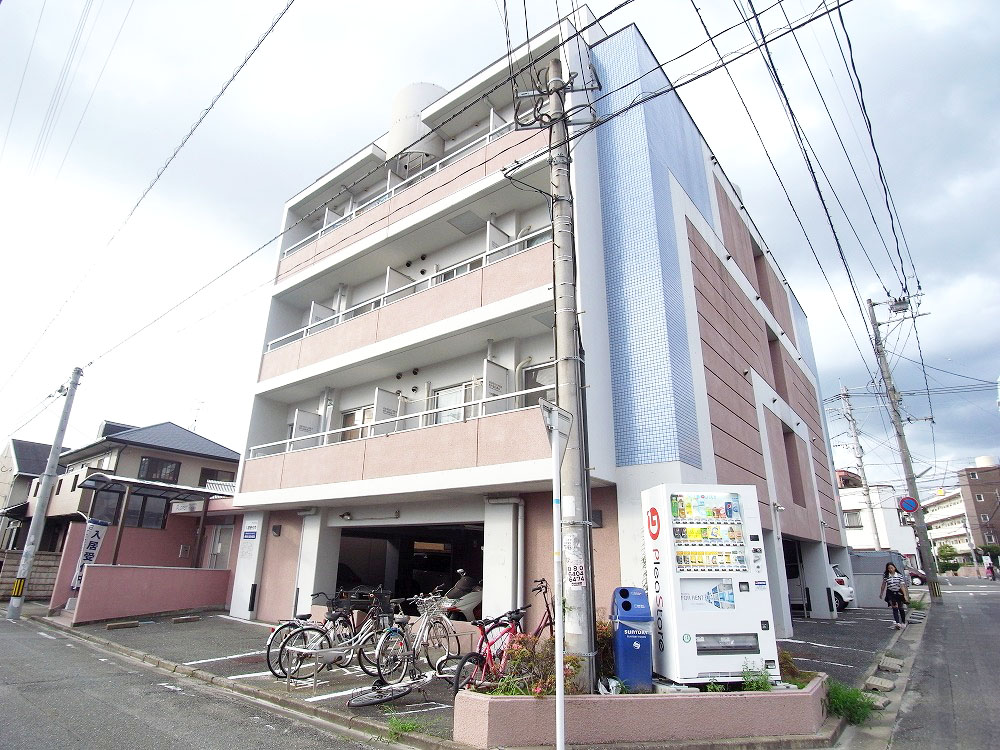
[
  {"x": 60, "y": 692},
  {"x": 951, "y": 698}
]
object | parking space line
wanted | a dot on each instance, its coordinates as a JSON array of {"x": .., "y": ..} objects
[
  {"x": 820, "y": 661},
  {"x": 434, "y": 707},
  {"x": 251, "y": 674},
  {"x": 823, "y": 645},
  {"x": 223, "y": 658},
  {"x": 334, "y": 695},
  {"x": 245, "y": 622},
  {"x": 46, "y": 635}
]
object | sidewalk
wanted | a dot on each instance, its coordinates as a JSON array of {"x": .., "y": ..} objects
[{"x": 229, "y": 653}]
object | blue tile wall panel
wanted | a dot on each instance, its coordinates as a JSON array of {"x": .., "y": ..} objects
[{"x": 652, "y": 386}]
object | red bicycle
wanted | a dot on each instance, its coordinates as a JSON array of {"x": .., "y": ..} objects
[{"x": 487, "y": 663}]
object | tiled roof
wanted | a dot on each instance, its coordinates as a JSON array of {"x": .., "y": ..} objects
[
  {"x": 30, "y": 457},
  {"x": 170, "y": 437}
]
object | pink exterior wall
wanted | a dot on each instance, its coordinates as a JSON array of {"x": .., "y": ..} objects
[
  {"x": 461, "y": 445},
  {"x": 485, "y": 721},
  {"x": 735, "y": 236},
  {"x": 112, "y": 591},
  {"x": 538, "y": 549},
  {"x": 518, "y": 273},
  {"x": 281, "y": 558},
  {"x": 432, "y": 189}
]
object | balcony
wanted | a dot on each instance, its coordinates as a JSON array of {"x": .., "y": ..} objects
[
  {"x": 482, "y": 157},
  {"x": 488, "y": 431},
  {"x": 492, "y": 275},
  {"x": 69, "y": 497}
]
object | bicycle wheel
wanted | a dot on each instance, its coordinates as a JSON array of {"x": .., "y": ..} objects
[
  {"x": 367, "y": 651},
  {"x": 471, "y": 672},
  {"x": 499, "y": 642},
  {"x": 274, "y": 643},
  {"x": 441, "y": 642},
  {"x": 392, "y": 655},
  {"x": 295, "y": 665},
  {"x": 341, "y": 628},
  {"x": 376, "y": 695}
]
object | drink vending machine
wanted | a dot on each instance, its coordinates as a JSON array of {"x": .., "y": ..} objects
[{"x": 707, "y": 583}]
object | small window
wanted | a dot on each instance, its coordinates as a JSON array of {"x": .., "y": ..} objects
[
  {"x": 852, "y": 519},
  {"x": 159, "y": 470},
  {"x": 455, "y": 396},
  {"x": 979, "y": 498},
  {"x": 984, "y": 517},
  {"x": 215, "y": 475},
  {"x": 105, "y": 506},
  {"x": 59, "y": 486},
  {"x": 536, "y": 377},
  {"x": 37, "y": 484},
  {"x": 990, "y": 538},
  {"x": 973, "y": 475},
  {"x": 146, "y": 512},
  {"x": 76, "y": 478},
  {"x": 357, "y": 417}
]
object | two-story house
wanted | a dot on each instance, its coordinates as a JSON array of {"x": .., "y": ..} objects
[{"x": 395, "y": 434}]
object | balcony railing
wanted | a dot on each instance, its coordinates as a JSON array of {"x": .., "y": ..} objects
[
  {"x": 474, "y": 409},
  {"x": 446, "y": 274},
  {"x": 407, "y": 183}
]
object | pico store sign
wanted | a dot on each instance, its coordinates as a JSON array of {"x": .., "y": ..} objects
[
  {"x": 657, "y": 554},
  {"x": 92, "y": 539}
]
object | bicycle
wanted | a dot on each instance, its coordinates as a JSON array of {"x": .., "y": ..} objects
[
  {"x": 276, "y": 638},
  {"x": 400, "y": 646},
  {"x": 489, "y": 660},
  {"x": 310, "y": 641}
]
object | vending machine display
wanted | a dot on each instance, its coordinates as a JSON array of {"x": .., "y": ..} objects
[{"x": 707, "y": 583}]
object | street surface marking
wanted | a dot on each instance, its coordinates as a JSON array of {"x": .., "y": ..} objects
[
  {"x": 820, "y": 661},
  {"x": 168, "y": 686},
  {"x": 334, "y": 695},
  {"x": 46, "y": 635},
  {"x": 824, "y": 645},
  {"x": 433, "y": 707},
  {"x": 245, "y": 622},
  {"x": 223, "y": 658},
  {"x": 251, "y": 674}
]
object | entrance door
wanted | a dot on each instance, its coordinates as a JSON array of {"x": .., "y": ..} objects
[
  {"x": 798, "y": 596},
  {"x": 222, "y": 540}
]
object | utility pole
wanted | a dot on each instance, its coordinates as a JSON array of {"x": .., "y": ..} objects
[
  {"x": 37, "y": 526},
  {"x": 904, "y": 453},
  {"x": 970, "y": 540},
  {"x": 578, "y": 570},
  {"x": 859, "y": 453}
]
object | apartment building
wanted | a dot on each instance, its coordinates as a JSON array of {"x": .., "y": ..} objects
[
  {"x": 21, "y": 462},
  {"x": 395, "y": 434},
  {"x": 970, "y": 511},
  {"x": 893, "y": 529}
]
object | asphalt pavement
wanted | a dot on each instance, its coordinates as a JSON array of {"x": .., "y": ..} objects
[
  {"x": 952, "y": 699},
  {"x": 58, "y": 692}
]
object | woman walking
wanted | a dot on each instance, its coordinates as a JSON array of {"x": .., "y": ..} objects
[{"x": 895, "y": 594}]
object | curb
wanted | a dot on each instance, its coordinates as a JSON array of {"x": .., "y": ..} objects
[
  {"x": 332, "y": 716},
  {"x": 827, "y": 736}
]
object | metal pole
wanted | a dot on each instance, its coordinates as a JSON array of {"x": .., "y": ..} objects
[
  {"x": 37, "y": 526},
  {"x": 557, "y": 572},
  {"x": 904, "y": 453},
  {"x": 577, "y": 548},
  {"x": 859, "y": 453},
  {"x": 121, "y": 524}
]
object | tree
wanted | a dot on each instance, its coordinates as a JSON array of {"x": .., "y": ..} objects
[{"x": 946, "y": 554}]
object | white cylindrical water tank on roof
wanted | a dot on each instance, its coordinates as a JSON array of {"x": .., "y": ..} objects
[
  {"x": 407, "y": 127},
  {"x": 985, "y": 462}
]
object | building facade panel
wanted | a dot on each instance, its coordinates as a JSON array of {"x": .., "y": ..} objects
[
  {"x": 262, "y": 473},
  {"x": 510, "y": 437},
  {"x": 281, "y": 360},
  {"x": 341, "y": 462},
  {"x": 444, "y": 300},
  {"x": 527, "y": 270},
  {"x": 276, "y": 593},
  {"x": 735, "y": 235},
  {"x": 438, "y": 448}
]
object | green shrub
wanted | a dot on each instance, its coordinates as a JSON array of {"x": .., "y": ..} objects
[
  {"x": 605, "y": 649},
  {"x": 917, "y": 604},
  {"x": 853, "y": 704},
  {"x": 948, "y": 567},
  {"x": 398, "y": 727},
  {"x": 715, "y": 687},
  {"x": 755, "y": 678},
  {"x": 531, "y": 669}
]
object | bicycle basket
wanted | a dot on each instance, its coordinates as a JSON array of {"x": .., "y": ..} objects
[{"x": 430, "y": 605}]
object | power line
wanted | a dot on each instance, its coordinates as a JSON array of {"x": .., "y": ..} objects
[
  {"x": 784, "y": 188},
  {"x": 17, "y": 97},
  {"x": 90, "y": 268}
]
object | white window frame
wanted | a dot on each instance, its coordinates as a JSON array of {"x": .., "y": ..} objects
[
  {"x": 367, "y": 414},
  {"x": 979, "y": 497},
  {"x": 854, "y": 514},
  {"x": 459, "y": 412},
  {"x": 984, "y": 517},
  {"x": 973, "y": 475},
  {"x": 990, "y": 538}
]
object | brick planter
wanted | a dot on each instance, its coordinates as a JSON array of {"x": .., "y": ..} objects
[{"x": 485, "y": 721}]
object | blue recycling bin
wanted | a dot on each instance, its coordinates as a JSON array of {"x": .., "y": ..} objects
[{"x": 632, "y": 625}]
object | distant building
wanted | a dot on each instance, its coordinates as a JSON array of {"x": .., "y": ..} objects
[
  {"x": 893, "y": 529},
  {"x": 971, "y": 507},
  {"x": 21, "y": 462}
]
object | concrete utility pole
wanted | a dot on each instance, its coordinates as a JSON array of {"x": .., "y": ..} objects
[
  {"x": 37, "y": 526},
  {"x": 859, "y": 453},
  {"x": 971, "y": 541},
  {"x": 904, "y": 453},
  {"x": 578, "y": 575}
]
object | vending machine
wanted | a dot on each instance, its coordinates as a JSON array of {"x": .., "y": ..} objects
[{"x": 707, "y": 583}]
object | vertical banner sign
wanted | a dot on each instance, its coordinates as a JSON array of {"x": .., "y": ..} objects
[
  {"x": 658, "y": 567},
  {"x": 92, "y": 538}
]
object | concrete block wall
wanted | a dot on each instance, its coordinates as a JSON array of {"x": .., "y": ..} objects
[{"x": 43, "y": 574}]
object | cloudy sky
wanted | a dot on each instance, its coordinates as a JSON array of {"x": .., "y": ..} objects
[{"x": 112, "y": 86}]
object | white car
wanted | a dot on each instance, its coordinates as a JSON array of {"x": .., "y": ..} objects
[{"x": 843, "y": 591}]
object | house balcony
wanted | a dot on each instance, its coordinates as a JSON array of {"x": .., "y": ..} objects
[
  {"x": 944, "y": 532},
  {"x": 935, "y": 515},
  {"x": 452, "y": 440},
  {"x": 483, "y": 157},
  {"x": 494, "y": 274},
  {"x": 67, "y": 495}
]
